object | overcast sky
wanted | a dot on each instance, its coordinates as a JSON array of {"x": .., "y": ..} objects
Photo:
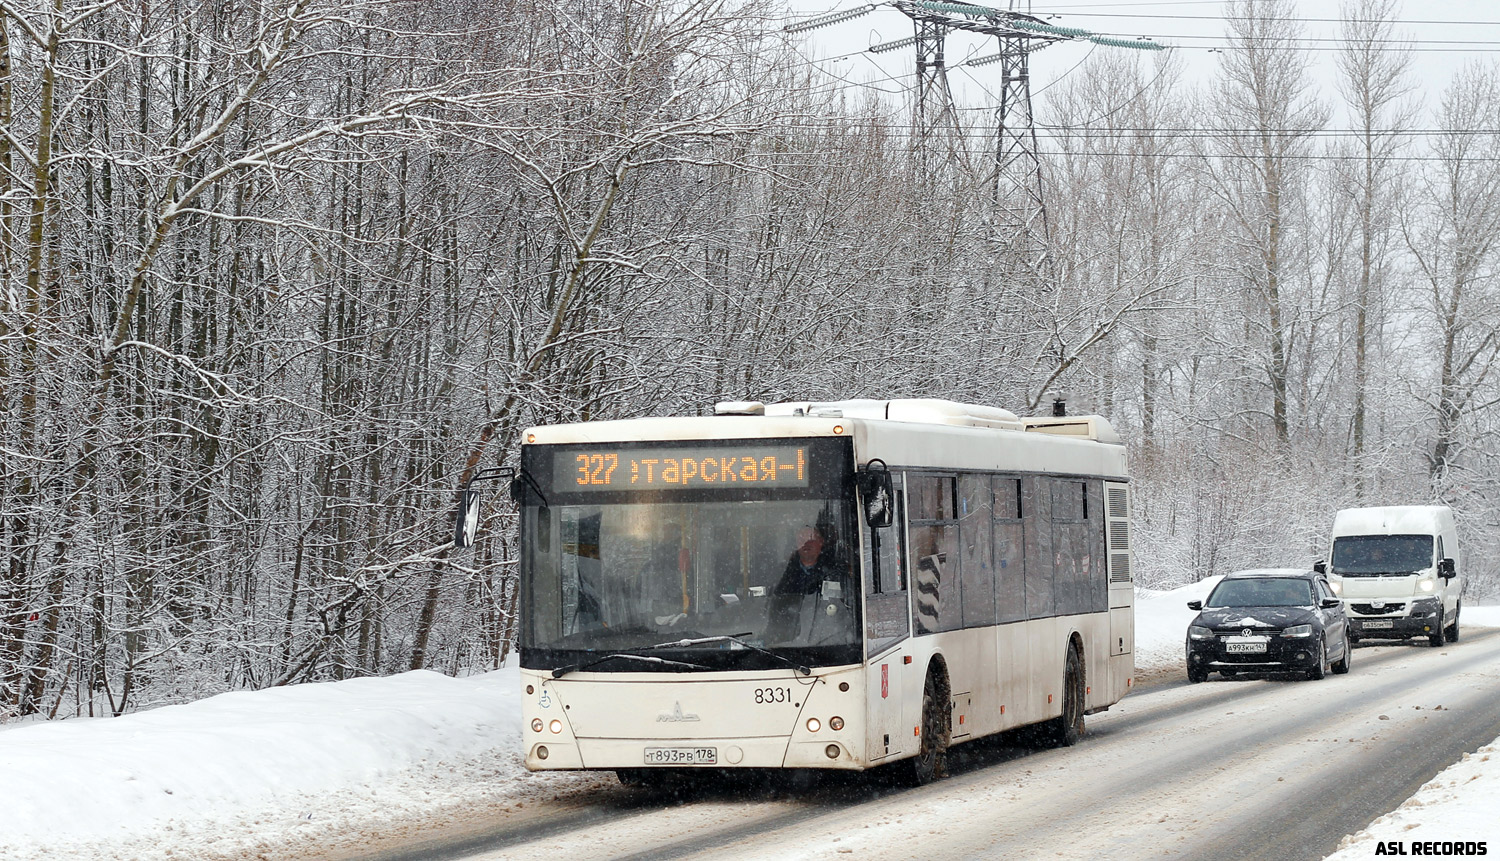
[{"x": 1444, "y": 34}]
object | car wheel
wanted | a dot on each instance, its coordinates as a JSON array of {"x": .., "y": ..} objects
[
  {"x": 1437, "y": 638},
  {"x": 1453, "y": 628},
  {"x": 1320, "y": 667},
  {"x": 1341, "y": 666},
  {"x": 931, "y": 761},
  {"x": 1197, "y": 674}
]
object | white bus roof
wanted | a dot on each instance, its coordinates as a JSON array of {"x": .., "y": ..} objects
[
  {"x": 1393, "y": 520},
  {"x": 902, "y": 431}
]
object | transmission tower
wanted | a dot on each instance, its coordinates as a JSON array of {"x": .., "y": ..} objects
[{"x": 1020, "y": 208}]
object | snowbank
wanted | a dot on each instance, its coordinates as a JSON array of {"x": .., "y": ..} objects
[
  {"x": 1161, "y": 623},
  {"x": 1459, "y": 804},
  {"x": 258, "y": 761}
]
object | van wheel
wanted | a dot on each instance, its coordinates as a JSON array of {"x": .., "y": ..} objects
[
  {"x": 1437, "y": 638},
  {"x": 1341, "y": 666},
  {"x": 931, "y": 761},
  {"x": 1453, "y": 628},
  {"x": 1065, "y": 729}
]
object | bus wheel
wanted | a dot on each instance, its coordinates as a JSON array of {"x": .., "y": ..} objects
[
  {"x": 1065, "y": 729},
  {"x": 931, "y": 761}
]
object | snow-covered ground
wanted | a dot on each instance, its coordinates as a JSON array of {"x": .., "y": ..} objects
[{"x": 244, "y": 773}]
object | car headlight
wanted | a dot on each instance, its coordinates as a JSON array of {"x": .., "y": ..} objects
[
  {"x": 1298, "y": 631},
  {"x": 1427, "y": 584},
  {"x": 1198, "y": 632}
]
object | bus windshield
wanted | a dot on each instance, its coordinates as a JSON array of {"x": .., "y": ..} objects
[
  {"x": 1372, "y": 555},
  {"x": 612, "y": 572}
]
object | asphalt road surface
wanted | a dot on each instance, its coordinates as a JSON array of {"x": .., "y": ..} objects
[{"x": 1249, "y": 768}]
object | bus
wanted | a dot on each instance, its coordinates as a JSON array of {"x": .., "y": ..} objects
[{"x": 836, "y": 585}]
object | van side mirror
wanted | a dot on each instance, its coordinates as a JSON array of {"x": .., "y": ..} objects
[
  {"x": 1320, "y": 566},
  {"x": 466, "y": 519},
  {"x": 1195, "y": 605},
  {"x": 877, "y": 494},
  {"x": 1446, "y": 569}
]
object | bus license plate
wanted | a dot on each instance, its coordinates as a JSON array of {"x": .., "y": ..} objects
[
  {"x": 682, "y": 756},
  {"x": 1257, "y": 646},
  {"x": 1379, "y": 623}
]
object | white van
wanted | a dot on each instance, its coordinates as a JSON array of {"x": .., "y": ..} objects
[{"x": 1398, "y": 570}]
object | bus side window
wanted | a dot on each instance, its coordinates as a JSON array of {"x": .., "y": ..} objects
[
  {"x": 934, "y": 553},
  {"x": 886, "y": 613},
  {"x": 975, "y": 531},
  {"x": 1010, "y": 550},
  {"x": 1036, "y": 505},
  {"x": 1072, "y": 559}
]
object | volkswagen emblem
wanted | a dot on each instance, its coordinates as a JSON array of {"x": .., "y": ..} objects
[{"x": 1247, "y": 633}]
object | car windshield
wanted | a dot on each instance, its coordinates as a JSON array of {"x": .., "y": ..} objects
[
  {"x": 1369, "y": 555},
  {"x": 1261, "y": 592}
]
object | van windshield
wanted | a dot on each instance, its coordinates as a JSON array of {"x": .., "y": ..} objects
[{"x": 1374, "y": 555}]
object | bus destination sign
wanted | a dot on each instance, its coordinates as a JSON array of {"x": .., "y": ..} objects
[{"x": 677, "y": 468}]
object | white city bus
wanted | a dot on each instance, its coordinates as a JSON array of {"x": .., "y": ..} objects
[{"x": 817, "y": 585}]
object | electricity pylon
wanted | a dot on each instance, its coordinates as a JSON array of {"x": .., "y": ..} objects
[{"x": 1020, "y": 208}]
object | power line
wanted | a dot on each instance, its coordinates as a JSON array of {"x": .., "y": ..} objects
[{"x": 1294, "y": 20}]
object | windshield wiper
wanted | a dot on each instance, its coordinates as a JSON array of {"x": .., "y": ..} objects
[
  {"x": 728, "y": 638},
  {"x": 563, "y": 671}
]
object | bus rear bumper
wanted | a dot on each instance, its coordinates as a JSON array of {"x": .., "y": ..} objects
[{"x": 608, "y": 754}]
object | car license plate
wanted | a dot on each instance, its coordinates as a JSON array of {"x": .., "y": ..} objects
[
  {"x": 682, "y": 756},
  {"x": 1378, "y": 623},
  {"x": 1245, "y": 646}
]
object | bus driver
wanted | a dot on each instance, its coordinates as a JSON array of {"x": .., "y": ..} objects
[{"x": 807, "y": 568}]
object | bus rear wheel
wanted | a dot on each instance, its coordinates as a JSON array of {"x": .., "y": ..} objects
[
  {"x": 1065, "y": 729},
  {"x": 931, "y": 761}
]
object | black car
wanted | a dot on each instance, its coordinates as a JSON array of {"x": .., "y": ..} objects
[{"x": 1269, "y": 620}]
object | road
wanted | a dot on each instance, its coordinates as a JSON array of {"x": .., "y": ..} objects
[{"x": 1250, "y": 768}]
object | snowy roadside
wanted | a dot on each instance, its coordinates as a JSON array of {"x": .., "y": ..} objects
[
  {"x": 245, "y": 773},
  {"x": 262, "y": 773}
]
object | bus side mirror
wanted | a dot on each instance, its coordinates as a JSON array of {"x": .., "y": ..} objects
[
  {"x": 1446, "y": 569},
  {"x": 878, "y": 497},
  {"x": 466, "y": 519},
  {"x": 1320, "y": 566}
]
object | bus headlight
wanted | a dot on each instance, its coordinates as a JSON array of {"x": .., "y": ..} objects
[
  {"x": 1297, "y": 631},
  {"x": 536, "y": 724},
  {"x": 555, "y": 726},
  {"x": 813, "y": 724},
  {"x": 835, "y": 723},
  {"x": 1198, "y": 632}
]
